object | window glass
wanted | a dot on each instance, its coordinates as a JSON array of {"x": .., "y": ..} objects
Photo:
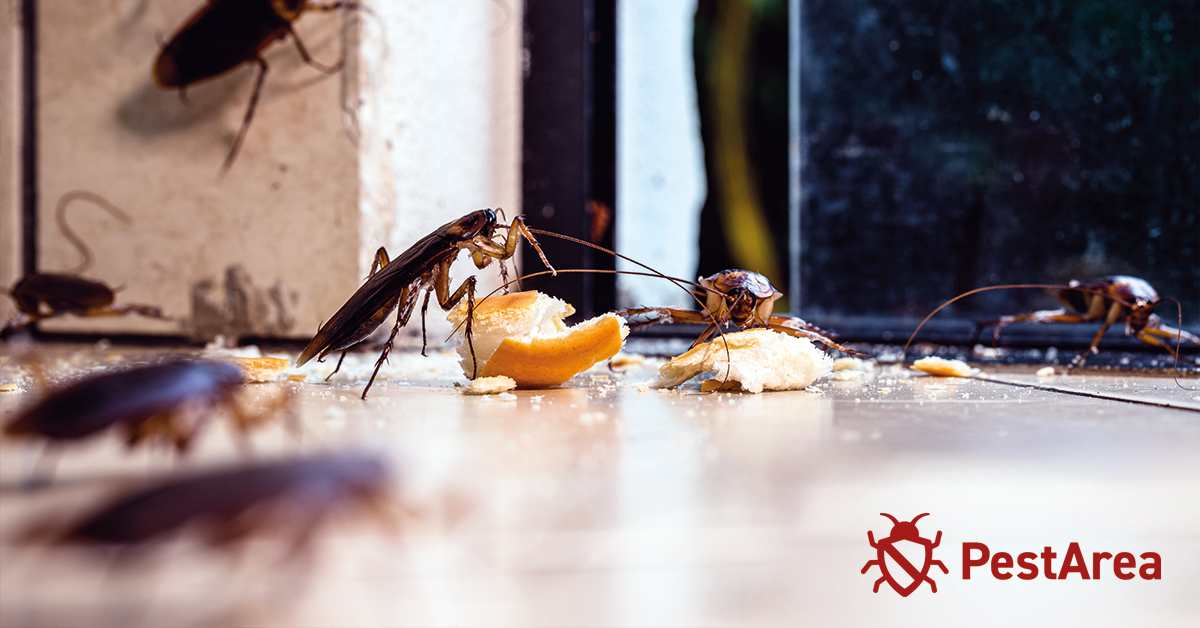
[{"x": 952, "y": 145}]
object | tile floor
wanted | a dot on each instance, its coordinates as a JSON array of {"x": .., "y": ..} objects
[{"x": 603, "y": 503}]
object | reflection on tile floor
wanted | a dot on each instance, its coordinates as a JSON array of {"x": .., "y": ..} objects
[{"x": 601, "y": 503}]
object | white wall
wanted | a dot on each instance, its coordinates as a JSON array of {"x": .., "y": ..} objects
[
  {"x": 441, "y": 121},
  {"x": 660, "y": 163}
]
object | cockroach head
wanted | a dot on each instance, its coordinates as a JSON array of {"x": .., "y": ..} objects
[
  {"x": 476, "y": 223},
  {"x": 1140, "y": 311},
  {"x": 742, "y": 303},
  {"x": 1138, "y": 295}
]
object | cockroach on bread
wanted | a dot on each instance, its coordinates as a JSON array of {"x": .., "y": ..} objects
[
  {"x": 424, "y": 266},
  {"x": 224, "y": 34},
  {"x": 47, "y": 295},
  {"x": 1107, "y": 301},
  {"x": 168, "y": 401},
  {"x": 292, "y": 498},
  {"x": 739, "y": 298}
]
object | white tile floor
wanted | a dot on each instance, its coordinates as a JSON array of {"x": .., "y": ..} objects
[{"x": 600, "y": 504}]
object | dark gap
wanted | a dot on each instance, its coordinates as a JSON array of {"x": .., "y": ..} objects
[
  {"x": 602, "y": 207},
  {"x": 29, "y": 101},
  {"x": 554, "y": 158},
  {"x": 569, "y": 144}
]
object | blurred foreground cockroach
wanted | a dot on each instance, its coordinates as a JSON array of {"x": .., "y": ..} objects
[
  {"x": 224, "y": 34},
  {"x": 1107, "y": 301},
  {"x": 424, "y": 266},
  {"x": 169, "y": 401},
  {"x": 293, "y": 499},
  {"x": 47, "y": 295}
]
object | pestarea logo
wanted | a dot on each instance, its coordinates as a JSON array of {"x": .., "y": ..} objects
[
  {"x": 895, "y": 554},
  {"x": 905, "y": 559}
]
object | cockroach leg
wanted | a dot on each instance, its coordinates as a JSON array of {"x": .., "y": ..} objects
[
  {"x": 244, "y": 420},
  {"x": 424, "y": 309},
  {"x": 471, "y": 315},
  {"x": 815, "y": 337},
  {"x": 241, "y": 134},
  {"x": 666, "y": 315},
  {"x": 704, "y": 336},
  {"x": 504, "y": 276},
  {"x": 1154, "y": 335},
  {"x": 387, "y": 348},
  {"x": 1115, "y": 311},
  {"x": 313, "y": 63},
  {"x": 338, "y": 367},
  {"x": 467, "y": 289},
  {"x": 1043, "y": 316}
]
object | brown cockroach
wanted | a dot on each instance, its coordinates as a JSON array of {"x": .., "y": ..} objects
[
  {"x": 292, "y": 498},
  {"x": 740, "y": 298},
  {"x": 224, "y": 34},
  {"x": 424, "y": 266},
  {"x": 47, "y": 295},
  {"x": 1107, "y": 301},
  {"x": 168, "y": 401}
]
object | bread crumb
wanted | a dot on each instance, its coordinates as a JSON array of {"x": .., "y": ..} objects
[
  {"x": 258, "y": 370},
  {"x": 1045, "y": 371},
  {"x": 853, "y": 364},
  {"x": 490, "y": 385},
  {"x": 626, "y": 359},
  {"x": 944, "y": 368}
]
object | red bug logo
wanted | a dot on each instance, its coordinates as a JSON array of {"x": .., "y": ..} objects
[{"x": 894, "y": 553}]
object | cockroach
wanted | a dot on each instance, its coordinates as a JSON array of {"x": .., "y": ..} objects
[
  {"x": 1107, "y": 301},
  {"x": 293, "y": 498},
  {"x": 47, "y": 295},
  {"x": 740, "y": 298},
  {"x": 168, "y": 401},
  {"x": 224, "y": 34},
  {"x": 424, "y": 266}
]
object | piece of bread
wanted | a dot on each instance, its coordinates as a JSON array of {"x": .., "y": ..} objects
[
  {"x": 489, "y": 385},
  {"x": 757, "y": 360},
  {"x": 522, "y": 335},
  {"x": 943, "y": 367}
]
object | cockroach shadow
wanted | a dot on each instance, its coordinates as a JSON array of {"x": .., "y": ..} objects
[{"x": 150, "y": 111}]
